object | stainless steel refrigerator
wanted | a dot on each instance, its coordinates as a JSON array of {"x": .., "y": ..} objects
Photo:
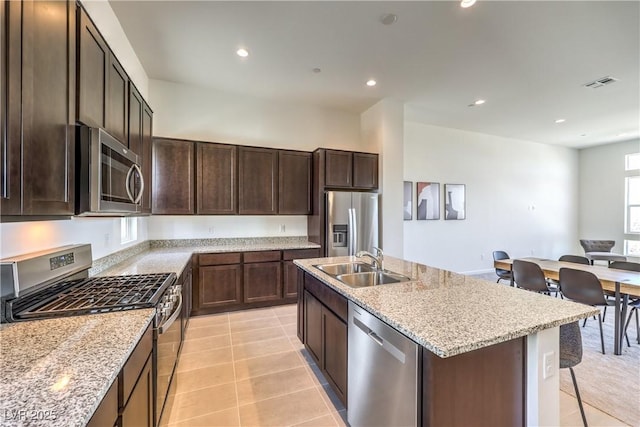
[{"x": 352, "y": 222}]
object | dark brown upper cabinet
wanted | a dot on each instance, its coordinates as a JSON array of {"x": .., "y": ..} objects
[
  {"x": 339, "y": 169},
  {"x": 216, "y": 179},
  {"x": 117, "y": 100},
  {"x": 93, "y": 60},
  {"x": 135, "y": 120},
  {"x": 38, "y": 112},
  {"x": 346, "y": 169},
  {"x": 258, "y": 181},
  {"x": 173, "y": 177},
  {"x": 103, "y": 85},
  {"x": 146, "y": 154},
  {"x": 365, "y": 170},
  {"x": 140, "y": 134},
  {"x": 294, "y": 183}
]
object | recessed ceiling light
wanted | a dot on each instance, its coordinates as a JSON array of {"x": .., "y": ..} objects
[
  {"x": 243, "y": 53},
  {"x": 371, "y": 83},
  {"x": 480, "y": 102},
  {"x": 467, "y": 3},
  {"x": 388, "y": 18},
  {"x": 317, "y": 70},
  {"x": 561, "y": 120}
]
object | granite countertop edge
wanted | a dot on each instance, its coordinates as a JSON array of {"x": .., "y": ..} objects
[{"x": 356, "y": 295}]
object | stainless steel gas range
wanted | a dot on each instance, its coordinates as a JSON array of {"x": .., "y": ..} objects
[{"x": 55, "y": 283}]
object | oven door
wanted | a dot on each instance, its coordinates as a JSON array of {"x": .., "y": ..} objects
[{"x": 168, "y": 342}]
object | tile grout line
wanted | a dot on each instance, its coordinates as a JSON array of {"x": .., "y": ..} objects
[{"x": 235, "y": 378}]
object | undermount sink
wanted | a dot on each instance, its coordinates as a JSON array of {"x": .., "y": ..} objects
[
  {"x": 344, "y": 268},
  {"x": 371, "y": 278}
]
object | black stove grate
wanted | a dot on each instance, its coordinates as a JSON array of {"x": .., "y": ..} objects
[{"x": 93, "y": 295}]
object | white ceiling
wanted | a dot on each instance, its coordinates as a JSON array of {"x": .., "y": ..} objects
[{"x": 528, "y": 59}]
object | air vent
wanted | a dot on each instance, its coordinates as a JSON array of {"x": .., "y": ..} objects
[{"x": 600, "y": 82}]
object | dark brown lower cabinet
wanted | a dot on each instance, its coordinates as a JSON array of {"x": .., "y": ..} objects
[
  {"x": 107, "y": 412},
  {"x": 289, "y": 279},
  {"x": 138, "y": 411},
  {"x": 262, "y": 281},
  {"x": 482, "y": 387},
  {"x": 219, "y": 285},
  {"x": 325, "y": 333}
]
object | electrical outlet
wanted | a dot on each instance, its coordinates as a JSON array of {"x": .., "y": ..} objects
[
  {"x": 282, "y": 228},
  {"x": 107, "y": 239},
  {"x": 210, "y": 230},
  {"x": 547, "y": 365},
  {"x": 481, "y": 257}
]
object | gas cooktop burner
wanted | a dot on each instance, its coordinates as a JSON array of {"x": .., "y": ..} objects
[{"x": 92, "y": 295}]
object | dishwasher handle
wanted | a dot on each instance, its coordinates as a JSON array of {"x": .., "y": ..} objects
[{"x": 386, "y": 345}]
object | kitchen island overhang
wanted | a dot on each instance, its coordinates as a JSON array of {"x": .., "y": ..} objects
[{"x": 450, "y": 314}]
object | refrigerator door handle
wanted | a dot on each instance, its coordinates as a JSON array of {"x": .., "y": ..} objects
[{"x": 353, "y": 233}]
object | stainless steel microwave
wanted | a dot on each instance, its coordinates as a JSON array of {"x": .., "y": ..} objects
[{"x": 109, "y": 179}]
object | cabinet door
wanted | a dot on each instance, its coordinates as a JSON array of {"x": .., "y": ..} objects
[
  {"x": 365, "y": 170},
  {"x": 262, "y": 281},
  {"x": 290, "y": 281},
  {"x": 338, "y": 168},
  {"x": 117, "y": 100},
  {"x": 258, "y": 181},
  {"x": 294, "y": 183},
  {"x": 48, "y": 107},
  {"x": 145, "y": 156},
  {"x": 334, "y": 352},
  {"x": 139, "y": 409},
  {"x": 216, "y": 178},
  {"x": 219, "y": 285},
  {"x": 313, "y": 339},
  {"x": 135, "y": 120},
  {"x": 173, "y": 173},
  {"x": 10, "y": 108},
  {"x": 106, "y": 413},
  {"x": 92, "y": 73}
]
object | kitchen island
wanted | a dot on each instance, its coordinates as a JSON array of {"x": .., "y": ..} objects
[{"x": 482, "y": 343}]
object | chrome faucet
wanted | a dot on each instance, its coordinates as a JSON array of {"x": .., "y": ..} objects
[{"x": 377, "y": 260}]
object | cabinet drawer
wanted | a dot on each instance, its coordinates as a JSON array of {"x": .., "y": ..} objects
[
  {"x": 300, "y": 254},
  {"x": 262, "y": 256},
  {"x": 333, "y": 300},
  {"x": 135, "y": 364},
  {"x": 220, "y": 259}
]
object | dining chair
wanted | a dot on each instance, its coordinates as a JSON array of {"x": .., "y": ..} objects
[
  {"x": 554, "y": 285},
  {"x": 528, "y": 275},
  {"x": 635, "y": 304},
  {"x": 502, "y": 274},
  {"x": 571, "y": 355},
  {"x": 584, "y": 287}
]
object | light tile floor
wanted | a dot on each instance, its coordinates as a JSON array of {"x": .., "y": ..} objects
[{"x": 248, "y": 368}]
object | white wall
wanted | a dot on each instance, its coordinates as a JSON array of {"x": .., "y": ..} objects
[
  {"x": 520, "y": 197},
  {"x": 102, "y": 233},
  {"x": 601, "y": 212},
  {"x": 189, "y": 112},
  {"x": 107, "y": 23},
  {"x": 201, "y": 227},
  {"x": 382, "y": 128}
]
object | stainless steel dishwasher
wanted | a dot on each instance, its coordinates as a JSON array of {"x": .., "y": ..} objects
[{"x": 383, "y": 373}]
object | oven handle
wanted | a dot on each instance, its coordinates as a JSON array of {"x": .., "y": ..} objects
[{"x": 167, "y": 323}]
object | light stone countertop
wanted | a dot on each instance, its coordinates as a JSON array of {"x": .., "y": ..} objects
[
  {"x": 450, "y": 313},
  {"x": 174, "y": 259},
  {"x": 55, "y": 372}
]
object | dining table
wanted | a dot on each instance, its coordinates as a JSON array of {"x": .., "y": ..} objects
[{"x": 622, "y": 283}]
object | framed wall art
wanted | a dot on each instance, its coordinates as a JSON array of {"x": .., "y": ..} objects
[
  {"x": 454, "y": 201},
  {"x": 428, "y": 200},
  {"x": 407, "y": 202}
]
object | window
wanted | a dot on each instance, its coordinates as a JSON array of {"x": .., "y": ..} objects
[
  {"x": 128, "y": 230},
  {"x": 632, "y": 205}
]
